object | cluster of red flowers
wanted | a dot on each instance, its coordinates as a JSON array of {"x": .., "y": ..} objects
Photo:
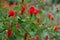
[{"x": 31, "y": 11}]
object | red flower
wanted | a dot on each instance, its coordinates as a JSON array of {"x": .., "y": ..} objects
[
  {"x": 52, "y": 18},
  {"x": 37, "y": 37},
  {"x": 11, "y": 12},
  {"x": 23, "y": 8},
  {"x": 31, "y": 9},
  {"x": 46, "y": 36},
  {"x": 9, "y": 32},
  {"x": 38, "y": 19},
  {"x": 26, "y": 34},
  {"x": 50, "y": 15},
  {"x": 55, "y": 27},
  {"x": 35, "y": 12},
  {"x": 31, "y": 38}
]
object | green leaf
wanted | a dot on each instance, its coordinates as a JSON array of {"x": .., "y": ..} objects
[
  {"x": 40, "y": 11},
  {"x": 17, "y": 32},
  {"x": 16, "y": 8},
  {"x": 5, "y": 26},
  {"x": 34, "y": 26},
  {"x": 2, "y": 30},
  {"x": 27, "y": 0},
  {"x": 1, "y": 20}
]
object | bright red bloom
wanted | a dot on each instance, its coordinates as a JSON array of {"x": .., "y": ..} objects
[
  {"x": 23, "y": 8},
  {"x": 26, "y": 34},
  {"x": 37, "y": 37},
  {"x": 11, "y": 12},
  {"x": 38, "y": 19},
  {"x": 9, "y": 32},
  {"x": 46, "y": 36},
  {"x": 31, "y": 9},
  {"x": 35, "y": 12},
  {"x": 31, "y": 38},
  {"x": 55, "y": 27}
]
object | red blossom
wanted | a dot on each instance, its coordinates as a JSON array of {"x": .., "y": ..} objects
[
  {"x": 46, "y": 36},
  {"x": 52, "y": 18},
  {"x": 37, "y": 37},
  {"x": 55, "y": 27},
  {"x": 9, "y": 32},
  {"x": 26, "y": 34},
  {"x": 35, "y": 12},
  {"x": 50, "y": 15},
  {"x": 38, "y": 19},
  {"x": 23, "y": 8},
  {"x": 31, "y": 9},
  {"x": 11, "y": 12},
  {"x": 31, "y": 38}
]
